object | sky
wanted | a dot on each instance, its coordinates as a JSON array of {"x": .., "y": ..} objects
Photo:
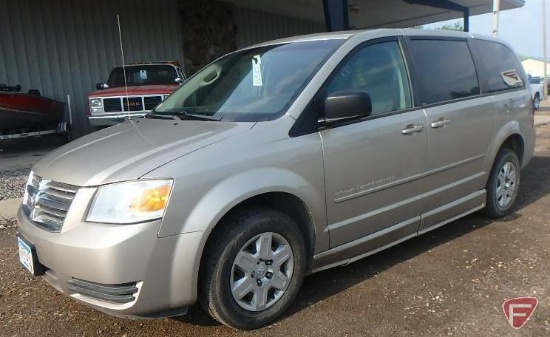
[{"x": 521, "y": 27}]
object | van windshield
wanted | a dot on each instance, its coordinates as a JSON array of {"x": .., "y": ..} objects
[{"x": 251, "y": 85}]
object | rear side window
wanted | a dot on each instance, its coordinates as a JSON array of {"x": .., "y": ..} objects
[
  {"x": 444, "y": 70},
  {"x": 500, "y": 69}
]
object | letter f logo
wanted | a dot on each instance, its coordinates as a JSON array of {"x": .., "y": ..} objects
[{"x": 518, "y": 310}]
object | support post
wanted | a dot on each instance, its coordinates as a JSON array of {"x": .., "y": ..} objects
[
  {"x": 467, "y": 19},
  {"x": 545, "y": 81},
  {"x": 496, "y": 11},
  {"x": 336, "y": 15}
]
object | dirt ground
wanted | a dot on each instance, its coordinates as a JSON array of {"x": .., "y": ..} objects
[{"x": 449, "y": 282}]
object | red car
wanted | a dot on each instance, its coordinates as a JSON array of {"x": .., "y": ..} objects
[{"x": 132, "y": 91}]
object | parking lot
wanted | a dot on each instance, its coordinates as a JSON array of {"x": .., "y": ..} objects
[{"x": 449, "y": 282}]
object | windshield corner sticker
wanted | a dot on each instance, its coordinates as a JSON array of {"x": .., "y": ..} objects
[
  {"x": 511, "y": 78},
  {"x": 143, "y": 74},
  {"x": 256, "y": 71}
]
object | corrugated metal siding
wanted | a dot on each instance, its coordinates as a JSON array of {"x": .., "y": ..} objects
[
  {"x": 255, "y": 26},
  {"x": 64, "y": 47}
]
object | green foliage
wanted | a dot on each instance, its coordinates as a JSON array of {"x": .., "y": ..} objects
[{"x": 456, "y": 26}]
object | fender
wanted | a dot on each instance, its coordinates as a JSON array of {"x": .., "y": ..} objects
[
  {"x": 230, "y": 192},
  {"x": 508, "y": 129}
]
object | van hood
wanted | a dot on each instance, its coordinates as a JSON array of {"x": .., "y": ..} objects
[{"x": 129, "y": 150}]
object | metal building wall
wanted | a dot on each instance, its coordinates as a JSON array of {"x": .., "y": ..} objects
[
  {"x": 64, "y": 47},
  {"x": 255, "y": 26}
]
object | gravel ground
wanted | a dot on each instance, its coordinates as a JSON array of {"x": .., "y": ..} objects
[{"x": 12, "y": 183}]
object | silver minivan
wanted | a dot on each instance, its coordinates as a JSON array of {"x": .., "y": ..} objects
[{"x": 276, "y": 161}]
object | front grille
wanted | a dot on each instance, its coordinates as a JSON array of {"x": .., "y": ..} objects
[
  {"x": 151, "y": 102},
  {"x": 112, "y": 293},
  {"x": 133, "y": 104},
  {"x": 48, "y": 202},
  {"x": 112, "y": 104}
]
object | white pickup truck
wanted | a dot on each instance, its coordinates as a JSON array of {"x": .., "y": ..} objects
[{"x": 536, "y": 84}]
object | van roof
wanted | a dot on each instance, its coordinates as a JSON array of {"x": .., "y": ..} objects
[{"x": 389, "y": 31}]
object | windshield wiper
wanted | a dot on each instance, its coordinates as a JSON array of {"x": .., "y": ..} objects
[
  {"x": 182, "y": 115},
  {"x": 155, "y": 115}
]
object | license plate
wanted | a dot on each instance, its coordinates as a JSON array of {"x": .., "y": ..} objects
[{"x": 25, "y": 255}]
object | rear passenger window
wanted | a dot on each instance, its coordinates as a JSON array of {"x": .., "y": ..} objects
[
  {"x": 501, "y": 68},
  {"x": 444, "y": 70}
]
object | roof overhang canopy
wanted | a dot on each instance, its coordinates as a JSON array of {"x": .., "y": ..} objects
[{"x": 376, "y": 13}]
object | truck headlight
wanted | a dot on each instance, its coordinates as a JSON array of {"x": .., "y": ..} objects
[
  {"x": 96, "y": 105},
  {"x": 130, "y": 202},
  {"x": 96, "y": 102}
]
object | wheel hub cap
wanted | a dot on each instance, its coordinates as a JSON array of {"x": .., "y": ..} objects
[
  {"x": 506, "y": 184},
  {"x": 261, "y": 271}
]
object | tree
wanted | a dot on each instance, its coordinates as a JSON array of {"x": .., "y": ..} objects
[{"x": 456, "y": 26}]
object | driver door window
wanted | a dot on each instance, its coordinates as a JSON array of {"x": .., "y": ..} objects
[{"x": 380, "y": 71}]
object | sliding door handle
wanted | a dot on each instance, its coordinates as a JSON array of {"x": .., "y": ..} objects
[{"x": 412, "y": 129}]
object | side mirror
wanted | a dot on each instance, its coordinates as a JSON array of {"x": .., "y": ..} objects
[
  {"x": 347, "y": 105},
  {"x": 101, "y": 86},
  {"x": 178, "y": 80}
]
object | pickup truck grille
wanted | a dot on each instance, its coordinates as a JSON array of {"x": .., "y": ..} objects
[
  {"x": 132, "y": 103},
  {"x": 112, "y": 104},
  {"x": 48, "y": 202},
  {"x": 151, "y": 102}
]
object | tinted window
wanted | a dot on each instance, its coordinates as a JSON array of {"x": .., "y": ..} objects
[
  {"x": 251, "y": 85},
  {"x": 380, "y": 71},
  {"x": 444, "y": 69},
  {"x": 501, "y": 68},
  {"x": 142, "y": 75}
]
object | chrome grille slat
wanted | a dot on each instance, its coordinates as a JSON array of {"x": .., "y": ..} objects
[
  {"x": 62, "y": 196},
  {"x": 52, "y": 211},
  {"x": 62, "y": 188},
  {"x": 50, "y": 203},
  {"x": 53, "y": 204},
  {"x": 49, "y": 223},
  {"x": 52, "y": 220}
]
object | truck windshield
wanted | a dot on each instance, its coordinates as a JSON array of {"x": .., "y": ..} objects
[
  {"x": 143, "y": 75},
  {"x": 251, "y": 85}
]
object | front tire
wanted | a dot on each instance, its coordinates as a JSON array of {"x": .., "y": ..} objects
[
  {"x": 253, "y": 268},
  {"x": 503, "y": 184}
]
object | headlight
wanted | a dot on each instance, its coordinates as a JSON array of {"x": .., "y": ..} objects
[
  {"x": 96, "y": 102},
  {"x": 130, "y": 202},
  {"x": 164, "y": 97},
  {"x": 96, "y": 106}
]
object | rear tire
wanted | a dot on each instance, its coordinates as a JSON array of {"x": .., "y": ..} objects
[
  {"x": 536, "y": 102},
  {"x": 503, "y": 184},
  {"x": 253, "y": 268}
]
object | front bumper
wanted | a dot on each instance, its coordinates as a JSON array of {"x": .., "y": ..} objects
[
  {"x": 164, "y": 270},
  {"x": 112, "y": 119}
]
